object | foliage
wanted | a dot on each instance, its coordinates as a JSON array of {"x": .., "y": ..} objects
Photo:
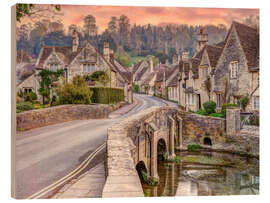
[
  {"x": 100, "y": 76},
  {"x": 47, "y": 78},
  {"x": 137, "y": 88},
  {"x": 210, "y": 107},
  {"x": 76, "y": 92},
  {"x": 106, "y": 95},
  {"x": 24, "y": 106},
  {"x": 225, "y": 106},
  {"x": 244, "y": 101},
  {"x": 218, "y": 115},
  {"x": 202, "y": 112},
  {"x": 193, "y": 147},
  {"x": 31, "y": 96},
  {"x": 27, "y": 10},
  {"x": 254, "y": 120}
]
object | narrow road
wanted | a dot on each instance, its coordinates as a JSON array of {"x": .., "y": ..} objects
[{"x": 46, "y": 154}]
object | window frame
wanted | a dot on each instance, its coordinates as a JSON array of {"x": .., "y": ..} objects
[
  {"x": 234, "y": 68},
  {"x": 256, "y": 103}
]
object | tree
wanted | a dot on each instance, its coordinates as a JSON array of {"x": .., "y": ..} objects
[
  {"x": 113, "y": 25},
  {"x": 36, "y": 11},
  {"x": 48, "y": 77},
  {"x": 90, "y": 28},
  {"x": 124, "y": 29}
]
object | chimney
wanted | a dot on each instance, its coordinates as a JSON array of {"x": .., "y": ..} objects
[
  {"x": 106, "y": 51},
  {"x": 151, "y": 65},
  {"x": 75, "y": 41},
  {"x": 175, "y": 59},
  {"x": 185, "y": 55},
  {"x": 202, "y": 40}
]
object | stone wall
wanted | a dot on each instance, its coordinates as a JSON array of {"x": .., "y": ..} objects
[
  {"x": 42, "y": 117},
  {"x": 197, "y": 127}
]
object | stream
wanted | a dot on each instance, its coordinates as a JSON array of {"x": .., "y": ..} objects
[{"x": 206, "y": 173}]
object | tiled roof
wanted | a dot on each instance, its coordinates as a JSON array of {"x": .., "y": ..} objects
[
  {"x": 136, "y": 66},
  {"x": 214, "y": 53},
  {"x": 249, "y": 39},
  {"x": 148, "y": 78},
  {"x": 140, "y": 74}
]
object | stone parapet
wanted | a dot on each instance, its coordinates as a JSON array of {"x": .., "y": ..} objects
[{"x": 42, "y": 117}]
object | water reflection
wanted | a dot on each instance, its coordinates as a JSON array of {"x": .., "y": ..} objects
[{"x": 192, "y": 179}]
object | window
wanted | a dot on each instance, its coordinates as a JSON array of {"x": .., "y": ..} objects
[
  {"x": 218, "y": 100},
  {"x": 84, "y": 67},
  {"x": 234, "y": 69},
  {"x": 192, "y": 98},
  {"x": 256, "y": 103},
  {"x": 205, "y": 73},
  {"x": 54, "y": 67},
  {"x": 27, "y": 90},
  {"x": 88, "y": 68}
]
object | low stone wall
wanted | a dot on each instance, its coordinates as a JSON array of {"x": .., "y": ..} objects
[
  {"x": 42, "y": 117},
  {"x": 197, "y": 127}
]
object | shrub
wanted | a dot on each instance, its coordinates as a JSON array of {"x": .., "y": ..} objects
[
  {"x": 225, "y": 106},
  {"x": 136, "y": 88},
  {"x": 202, "y": 112},
  {"x": 105, "y": 95},
  {"x": 193, "y": 147},
  {"x": 218, "y": 115},
  {"x": 254, "y": 120},
  {"x": 24, "y": 106},
  {"x": 244, "y": 101},
  {"x": 31, "y": 96},
  {"x": 76, "y": 92},
  {"x": 210, "y": 107}
]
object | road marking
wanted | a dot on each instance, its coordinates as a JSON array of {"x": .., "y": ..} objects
[{"x": 68, "y": 177}]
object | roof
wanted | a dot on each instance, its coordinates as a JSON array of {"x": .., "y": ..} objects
[
  {"x": 173, "y": 82},
  {"x": 168, "y": 70},
  {"x": 249, "y": 39},
  {"x": 148, "y": 78},
  {"x": 64, "y": 51},
  {"x": 140, "y": 74},
  {"x": 214, "y": 53},
  {"x": 136, "y": 66}
]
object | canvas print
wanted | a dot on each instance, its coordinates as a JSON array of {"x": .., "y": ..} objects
[{"x": 122, "y": 101}]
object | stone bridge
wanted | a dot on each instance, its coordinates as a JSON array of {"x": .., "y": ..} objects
[{"x": 136, "y": 142}]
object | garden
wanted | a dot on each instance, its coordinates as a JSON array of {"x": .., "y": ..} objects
[{"x": 54, "y": 92}]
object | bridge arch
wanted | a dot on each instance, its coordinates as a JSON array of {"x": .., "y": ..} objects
[
  {"x": 207, "y": 141},
  {"x": 141, "y": 169},
  {"x": 162, "y": 148}
]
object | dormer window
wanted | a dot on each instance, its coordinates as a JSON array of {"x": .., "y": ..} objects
[
  {"x": 54, "y": 67},
  {"x": 234, "y": 69}
]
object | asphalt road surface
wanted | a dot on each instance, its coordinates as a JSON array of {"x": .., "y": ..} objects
[{"x": 46, "y": 154}]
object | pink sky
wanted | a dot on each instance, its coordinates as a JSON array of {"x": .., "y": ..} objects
[{"x": 74, "y": 14}]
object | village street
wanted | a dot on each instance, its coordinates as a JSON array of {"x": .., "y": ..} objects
[{"x": 46, "y": 154}]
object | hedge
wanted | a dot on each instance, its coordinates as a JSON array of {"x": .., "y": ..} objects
[{"x": 105, "y": 95}]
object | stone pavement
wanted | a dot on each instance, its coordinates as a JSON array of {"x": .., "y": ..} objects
[
  {"x": 87, "y": 185},
  {"x": 125, "y": 109}
]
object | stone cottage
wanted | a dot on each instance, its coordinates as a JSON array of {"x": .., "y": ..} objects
[
  {"x": 237, "y": 70},
  {"x": 223, "y": 72},
  {"x": 82, "y": 60}
]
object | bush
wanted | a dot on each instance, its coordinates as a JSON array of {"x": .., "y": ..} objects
[
  {"x": 136, "y": 88},
  {"x": 210, "y": 107},
  {"x": 76, "y": 92},
  {"x": 225, "y": 106},
  {"x": 244, "y": 101},
  {"x": 24, "y": 106},
  {"x": 193, "y": 147},
  {"x": 202, "y": 112},
  {"x": 218, "y": 115},
  {"x": 31, "y": 96},
  {"x": 106, "y": 95}
]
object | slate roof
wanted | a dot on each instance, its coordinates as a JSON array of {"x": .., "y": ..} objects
[
  {"x": 148, "y": 78},
  {"x": 64, "y": 51},
  {"x": 140, "y": 74},
  {"x": 160, "y": 72},
  {"x": 173, "y": 82},
  {"x": 249, "y": 39},
  {"x": 136, "y": 66},
  {"x": 214, "y": 53}
]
